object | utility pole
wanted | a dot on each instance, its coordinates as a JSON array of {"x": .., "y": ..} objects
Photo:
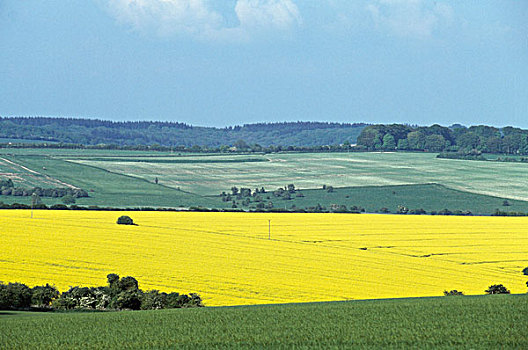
[
  {"x": 269, "y": 229},
  {"x": 33, "y": 201}
]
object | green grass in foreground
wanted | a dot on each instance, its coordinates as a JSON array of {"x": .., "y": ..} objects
[{"x": 497, "y": 321}]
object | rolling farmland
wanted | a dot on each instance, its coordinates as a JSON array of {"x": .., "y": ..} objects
[
  {"x": 228, "y": 259},
  {"x": 369, "y": 180},
  {"x": 312, "y": 170}
]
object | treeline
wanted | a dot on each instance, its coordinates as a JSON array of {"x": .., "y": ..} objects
[
  {"x": 172, "y": 134},
  {"x": 7, "y": 188},
  {"x": 239, "y": 146},
  {"x": 120, "y": 294},
  {"x": 436, "y": 138},
  {"x": 268, "y": 207}
]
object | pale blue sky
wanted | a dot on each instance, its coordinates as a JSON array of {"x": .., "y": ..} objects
[{"x": 232, "y": 62}]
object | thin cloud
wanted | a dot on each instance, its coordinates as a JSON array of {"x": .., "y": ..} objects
[
  {"x": 410, "y": 18},
  {"x": 279, "y": 14},
  {"x": 198, "y": 19}
]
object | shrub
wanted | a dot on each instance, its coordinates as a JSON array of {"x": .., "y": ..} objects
[
  {"x": 121, "y": 293},
  {"x": 497, "y": 289},
  {"x": 129, "y": 299},
  {"x": 153, "y": 300},
  {"x": 419, "y": 211},
  {"x": 15, "y": 296},
  {"x": 125, "y": 220},
  {"x": 127, "y": 283},
  {"x": 452, "y": 292},
  {"x": 59, "y": 207},
  {"x": 68, "y": 199},
  {"x": 402, "y": 209},
  {"x": 42, "y": 296},
  {"x": 83, "y": 298}
]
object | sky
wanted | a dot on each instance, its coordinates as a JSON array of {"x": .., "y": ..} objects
[{"x": 233, "y": 62}]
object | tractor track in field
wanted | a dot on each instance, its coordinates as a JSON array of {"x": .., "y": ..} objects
[{"x": 34, "y": 174}]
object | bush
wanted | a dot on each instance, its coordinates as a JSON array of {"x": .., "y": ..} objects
[
  {"x": 14, "y": 296},
  {"x": 68, "y": 199},
  {"x": 125, "y": 220},
  {"x": 42, "y": 296},
  {"x": 497, "y": 289},
  {"x": 120, "y": 294},
  {"x": 129, "y": 299},
  {"x": 59, "y": 207},
  {"x": 402, "y": 209},
  {"x": 452, "y": 292},
  {"x": 153, "y": 300}
]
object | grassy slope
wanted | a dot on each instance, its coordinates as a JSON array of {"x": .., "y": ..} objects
[
  {"x": 110, "y": 188},
  {"x": 375, "y": 179},
  {"x": 428, "y": 197},
  {"x": 497, "y": 321},
  {"x": 312, "y": 170}
]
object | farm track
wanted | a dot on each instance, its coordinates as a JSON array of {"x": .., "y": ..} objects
[{"x": 23, "y": 172}]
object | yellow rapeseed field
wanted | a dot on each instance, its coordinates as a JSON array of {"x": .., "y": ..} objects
[{"x": 228, "y": 259}]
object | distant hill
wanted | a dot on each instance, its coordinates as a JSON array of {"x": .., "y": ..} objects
[{"x": 94, "y": 131}]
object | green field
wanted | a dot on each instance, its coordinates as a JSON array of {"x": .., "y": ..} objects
[
  {"x": 370, "y": 180},
  {"x": 312, "y": 170},
  {"x": 106, "y": 188},
  {"x": 430, "y": 197},
  {"x": 497, "y": 321}
]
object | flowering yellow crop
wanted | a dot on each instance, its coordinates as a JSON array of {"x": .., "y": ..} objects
[{"x": 228, "y": 259}]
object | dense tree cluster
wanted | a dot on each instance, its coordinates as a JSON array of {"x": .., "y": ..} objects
[
  {"x": 120, "y": 294},
  {"x": 436, "y": 138},
  {"x": 246, "y": 137}
]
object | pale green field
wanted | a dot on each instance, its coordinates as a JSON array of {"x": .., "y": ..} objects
[{"x": 312, "y": 170}]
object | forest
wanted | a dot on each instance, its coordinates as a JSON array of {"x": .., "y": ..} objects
[{"x": 174, "y": 134}]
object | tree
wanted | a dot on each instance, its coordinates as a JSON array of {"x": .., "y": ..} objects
[
  {"x": 241, "y": 145},
  {"x": 370, "y": 137},
  {"x": 125, "y": 220},
  {"x": 416, "y": 140},
  {"x": 468, "y": 141},
  {"x": 127, "y": 283},
  {"x": 452, "y": 292},
  {"x": 42, "y": 296},
  {"x": 389, "y": 143},
  {"x": 497, "y": 289},
  {"x": 112, "y": 280},
  {"x": 435, "y": 143},
  {"x": 68, "y": 199},
  {"x": 14, "y": 296},
  {"x": 403, "y": 144},
  {"x": 130, "y": 299}
]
